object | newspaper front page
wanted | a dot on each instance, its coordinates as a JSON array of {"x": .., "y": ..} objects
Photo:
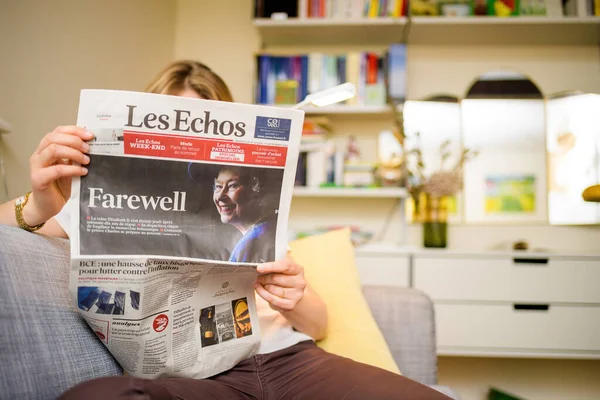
[{"x": 183, "y": 198}]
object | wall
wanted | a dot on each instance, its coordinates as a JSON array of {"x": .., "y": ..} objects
[
  {"x": 431, "y": 69},
  {"x": 52, "y": 49},
  {"x": 221, "y": 35},
  {"x": 552, "y": 68}
]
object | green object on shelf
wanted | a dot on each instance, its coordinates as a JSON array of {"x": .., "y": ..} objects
[
  {"x": 435, "y": 234},
  {"x": 496, "y": 394},
  {"x": 286, "y": 92},
  {"x": 434, "y": 213},
  {"x": 503, "y": 8},
  {"x": 329, "y": 185}
]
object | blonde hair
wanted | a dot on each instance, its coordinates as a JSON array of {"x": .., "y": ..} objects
[{"x": 188, "y": 74}]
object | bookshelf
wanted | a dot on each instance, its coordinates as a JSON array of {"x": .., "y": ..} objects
[
  {"x": 525, "y": 30},
  {"x": 395, "y": 193},
  {"x": 361, "y": 34},
  {"x": 372, "y": 34}
]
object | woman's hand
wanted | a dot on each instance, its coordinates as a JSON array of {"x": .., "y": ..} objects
[
  {"x": 52, "y": 169},
  {"x": 281, "y": 284}
]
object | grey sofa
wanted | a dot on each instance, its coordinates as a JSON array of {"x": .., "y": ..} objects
[{"x": 46, "y": 347}]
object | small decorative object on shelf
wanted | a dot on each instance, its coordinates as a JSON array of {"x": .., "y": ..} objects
[
  {"x": 352, "y": 150},
  {"x": 521, "y": 245},
  {"x": 431, "y": 192},
  {"x": 390, "y": 170},
  {"x": 592, "y": 194},
  {"x": 434, "y": 214}
]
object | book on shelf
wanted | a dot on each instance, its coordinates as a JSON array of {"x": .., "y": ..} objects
[
  {"x": 582, "y": 8},
  {"x": 314, "y": 133},
  {"x": 504, "y": 8},
  {"x": 333, "y": 9},
  {"x": 320, "y": 163},
  {"x": 286, "y": 80}
]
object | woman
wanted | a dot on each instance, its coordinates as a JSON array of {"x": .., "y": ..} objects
[
  {"x": 241, "y": 202},
  {"x": 244, "y": 200},
  {"x": 291, "y": 315}
]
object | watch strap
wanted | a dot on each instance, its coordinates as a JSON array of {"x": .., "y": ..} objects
[{"x": 19, "y": 205}]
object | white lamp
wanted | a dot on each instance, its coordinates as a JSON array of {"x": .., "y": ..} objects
[{"x": 329, "y": 96}]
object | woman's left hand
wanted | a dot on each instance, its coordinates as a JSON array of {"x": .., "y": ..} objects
[{"x": 281, "y": 284}]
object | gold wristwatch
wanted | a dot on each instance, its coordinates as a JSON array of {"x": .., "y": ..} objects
[{"x": 19, "y": 205}]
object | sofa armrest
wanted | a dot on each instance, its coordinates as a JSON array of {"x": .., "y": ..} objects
[
  {"x": 46, "y": 346},
  {"x": 406, "y": 319}
]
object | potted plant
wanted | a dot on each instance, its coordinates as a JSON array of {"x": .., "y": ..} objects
[{"x": 431, "y": 192}]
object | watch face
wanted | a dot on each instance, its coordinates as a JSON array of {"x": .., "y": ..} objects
[{"x": 20, "y": 200}]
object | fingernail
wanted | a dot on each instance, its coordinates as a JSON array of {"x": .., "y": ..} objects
[
  {"x": 84, "y": 170},
  {"x": 85, "y": 146},
  {"x": 89, "y": 133},
  {"x": 86, "y": 159},
  {"x": 260, "y": 268}
]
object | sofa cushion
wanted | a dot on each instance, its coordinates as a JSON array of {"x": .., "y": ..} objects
[
  {"x": 406, "y": 318},
  {"x": 45, "y": 345},
  {"x": 329, "y": 267}
]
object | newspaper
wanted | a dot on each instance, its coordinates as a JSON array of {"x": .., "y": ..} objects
[{"x": 183, "y": 198}]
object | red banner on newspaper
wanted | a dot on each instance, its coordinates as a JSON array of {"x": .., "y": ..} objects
[{"x": 188, "y": 148}]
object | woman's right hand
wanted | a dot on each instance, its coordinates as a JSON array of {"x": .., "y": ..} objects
[{"x": 52, "y": 169}]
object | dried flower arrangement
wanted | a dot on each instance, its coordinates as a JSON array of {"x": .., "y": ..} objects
[{"x": 445, "y": 181}]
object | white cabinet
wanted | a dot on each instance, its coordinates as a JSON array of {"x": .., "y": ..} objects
[
  {"x": 383, "y": 265},
  {"x": 502, "y": 304},
  {"x": 509, "y": 330},
  {"x": 513, "y": 304},
  {"x": 509, "y": 277}
]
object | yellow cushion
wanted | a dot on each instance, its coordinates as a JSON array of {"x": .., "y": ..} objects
[{"x": 329, "y": 267}]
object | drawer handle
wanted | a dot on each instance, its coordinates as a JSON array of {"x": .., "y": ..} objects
[
  {"x": 531, "y": 307},
  {"x": 530, "y": 260}
]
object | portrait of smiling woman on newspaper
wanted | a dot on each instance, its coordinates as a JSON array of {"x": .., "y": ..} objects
[{"x": 247, "y": 199}]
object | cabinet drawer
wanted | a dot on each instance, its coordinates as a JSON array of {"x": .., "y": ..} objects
[
  {"x": 560, "y": 328},
  {"x": 383, "y": 270},
  {"x": 508, "y": 279}
]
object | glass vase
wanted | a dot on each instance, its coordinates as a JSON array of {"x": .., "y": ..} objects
[{"x": 434, "y": 216}]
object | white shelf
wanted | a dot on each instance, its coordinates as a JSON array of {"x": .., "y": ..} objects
[
  {"x": 448, "y": 351},
  {"x": 360, "y": 31},
  {"x": 523, "y": 30},
  {"x": 351, "y": 192},
  {"x": 343, "y": 110},
  {"x": 520, "y": 20},
  {"x": 504, "y": 31},
  {"x": 350, "y": 110}
]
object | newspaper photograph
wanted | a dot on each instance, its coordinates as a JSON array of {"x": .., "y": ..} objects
[{"x": 182, "y": 199}]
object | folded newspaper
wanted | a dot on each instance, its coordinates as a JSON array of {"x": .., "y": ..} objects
[{"x": 183, "y": 198}]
